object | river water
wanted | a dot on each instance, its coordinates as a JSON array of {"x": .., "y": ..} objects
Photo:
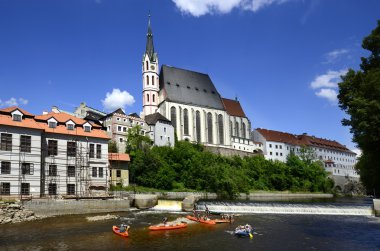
[{"x": 273, "y": 232}]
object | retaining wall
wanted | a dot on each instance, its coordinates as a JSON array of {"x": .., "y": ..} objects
[{"x": 63, "y": 207}]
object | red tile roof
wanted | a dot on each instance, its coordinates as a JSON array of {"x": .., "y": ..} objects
[
  {"x": 40, "y": 123},
  {"x": 301, "y": 140},
  {"x": 233, "y": 107},
  {"x": 118, "y": 157}
]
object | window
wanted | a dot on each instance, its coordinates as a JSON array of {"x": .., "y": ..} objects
[
  {"x": 52, "y": 147},
  {"x": 70, "y": 127},
  {"x": 147, "y": 98},
  {"x": 231, "y": 131},
  {"x": 280, "y": 154},
  {"x": 146, "y": 65},
  {"x": 185, "y": 122},
  {"x": 25, "y": 143},
  {"x": 25, "y": 188},
  {"x": 276, "y": 153},
  {"x": 153, "y": 84},
  {"x": 100, "y": 172},
  {"x": 270, "y": 153},
  {"x": 270, "y": 145},
  {"x": 6, "y": 142},
  {"x": 98, "y": 151},
  {"x": 70, "y": 189},
  {"x": 118, "y": 173},
  {"x": 221, "y": 129},
  {"x": 71, "y": 171},
  {"x": 153, "y": 98},
  {"x": 52, "y": 170},
  {"x": 173, "y": 117},
  {"x": 92, "y": 151},
  {"x": 198, "y": 125},
  {"x": 5, "y": 167},
  {"x": 124, "y": 129},
  {"x": 209, "y": 127},
  {"x": 52, "y": 124},
  {"x": 276, "y": 146},
  {"x": 26, "y": 168},
  {"x": 147, "y": 80},
  {"x": 17, "y": 117},
  {"x": 243, "y": 128},
  {"x": 5, "y": 188},
  {"x": 164, "y": 129},
  {"x": 87, "y": 128},
  {"x": 71, "y": 149},
  {"x": 94, "y": 172},
  {"x": 236, "y": 129},
  {"x": 52, "y": 189}
]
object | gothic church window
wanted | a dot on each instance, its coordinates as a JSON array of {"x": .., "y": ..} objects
[
  {"x": 243, "y": 129},
  {"x": 209, "y": 127},
  {"x": 153, "y": 98},
  {"x": 146, "y": 65},
  {"x": 173, "y": 116},
  {"x": 152, "y": 80},
  {"x": 221, "y": 129},
  {"x": 147, "y": 80},
  {"x": 198, "y": 125},
  {"x": 147, "y": 97},
  {"x": 185, "y": 122},
  {"x": 236, "y": 129}
]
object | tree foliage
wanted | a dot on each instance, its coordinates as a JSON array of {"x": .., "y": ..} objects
[
  {"x": 135, "y": 141},
  {"x": 112, "y": 147},
  {"x": 188, "y": 166},
  {"x": 359, "y": 97}
]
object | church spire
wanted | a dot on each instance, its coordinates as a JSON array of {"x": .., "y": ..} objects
[{"x": 149, "y": 42}]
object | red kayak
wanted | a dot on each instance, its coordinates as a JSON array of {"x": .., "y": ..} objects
[
  {"x": 167, "y": 227},
  {"x": 211, "y": 222},
  {"x": 116, "y": 230},
  {"x": 223, "y": 221}
]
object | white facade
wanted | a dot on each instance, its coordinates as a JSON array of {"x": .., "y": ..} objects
[{"x": 162, "y": 134}]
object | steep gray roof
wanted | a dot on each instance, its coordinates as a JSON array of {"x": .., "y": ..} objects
[
  {"x": 153, "y": 118},
  {"x": 189, "y": 87}
]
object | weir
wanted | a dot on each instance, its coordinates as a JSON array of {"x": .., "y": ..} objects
[
  {"x": 168, "y": 205},
  {"x": 279, "y": 208}
]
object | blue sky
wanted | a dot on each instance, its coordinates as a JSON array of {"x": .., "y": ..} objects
[{"x": 281, "y": 58}]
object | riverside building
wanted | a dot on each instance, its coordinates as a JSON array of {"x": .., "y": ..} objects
[
  {"x": 51, "y": 155},
  {"x": 338, "y": 160},
  {"x": 192, "y": 103}
]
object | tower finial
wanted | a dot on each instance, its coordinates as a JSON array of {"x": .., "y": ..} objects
[{"x": 149, "y": 43}]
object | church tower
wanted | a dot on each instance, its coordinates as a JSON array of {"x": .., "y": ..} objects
[{"x": 150, "y": 76}]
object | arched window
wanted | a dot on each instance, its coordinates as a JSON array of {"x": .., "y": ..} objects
[
  {"x": 198, "y": 125},
  {"x": 147, "y": 80},
  {"x": 153, "y": 98},
  {"x": 173, "y": 117},
  {"x": 221, "y": 129},
  {"x": 146, "y": 65},
  {"x": 231, "y": 128},
  {"x": 236, "y": 129},
  {"x": 209, "y": 127},
  {"x": 152, "y": 80},
  {"x": 185, "y": 122},
  {"x": 147, "y": 97},
  {"x": 243, "y": 129}
]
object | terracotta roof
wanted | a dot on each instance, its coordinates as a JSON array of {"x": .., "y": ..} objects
[
  {"x": 233, "y": 107},
  {"x": 26, "y": 122},
  {"x": 118, "y": 157},
  {"x": 302, "y": 139},
  {"x": 39, "y": 122},
  {"x": 13, "y": 108}
]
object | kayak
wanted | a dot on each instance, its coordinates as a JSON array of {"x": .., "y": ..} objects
[
  {"x": 211, "y": 222},
  {"x": 168, "y": 227},
  {"x": 223, "y": 221},
  {"x": 116, "y": 229}
]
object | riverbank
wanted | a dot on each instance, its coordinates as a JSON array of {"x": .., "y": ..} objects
[{"x": 14, "y": 212}]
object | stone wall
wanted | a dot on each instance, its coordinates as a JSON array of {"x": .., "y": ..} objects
[
  {"x": 14, "y": 212},
  {"x": 43, "y": 207}
]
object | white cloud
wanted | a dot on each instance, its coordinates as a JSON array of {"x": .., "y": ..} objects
[
  {"x": 329, "y": 79},
  {"x": 357, "y": 151},
  {"x": 332, "y": 56},
  {"x": 329, "y": 94},
  {"x": 202, "y": 7},
  {"x": 117, "y": 99},
  {"x": 13, "y": 102}
]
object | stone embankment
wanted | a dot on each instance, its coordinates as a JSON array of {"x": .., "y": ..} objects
[{"x": 14, "y": 212}]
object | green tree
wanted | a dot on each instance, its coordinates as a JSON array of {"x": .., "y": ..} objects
[
  {"x": 112, "y": 147},
  {"x": 136, "y": 141},
  {"x": 359, "y": 97}
]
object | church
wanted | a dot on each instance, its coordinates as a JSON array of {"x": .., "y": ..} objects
[{"x": 192, "y": 103}]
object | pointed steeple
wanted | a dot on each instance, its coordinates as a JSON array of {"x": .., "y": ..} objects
[{"x": 149, "y": 42}]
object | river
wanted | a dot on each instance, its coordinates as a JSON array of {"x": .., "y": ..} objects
[{"x": 273, "y": 232}]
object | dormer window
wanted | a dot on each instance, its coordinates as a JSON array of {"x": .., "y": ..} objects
[
  {"x": 52, "y": 124},
  {"x": 87, "y": 127},
  {"x": 16, "y": 115},
  {"x": 70, "y": 125}
]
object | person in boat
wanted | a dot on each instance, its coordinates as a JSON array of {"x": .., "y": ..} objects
[
  {"x": 165, "y": 220},
  {"x": 123, "y": 228},
  {"x": 206, "y": 210}
]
